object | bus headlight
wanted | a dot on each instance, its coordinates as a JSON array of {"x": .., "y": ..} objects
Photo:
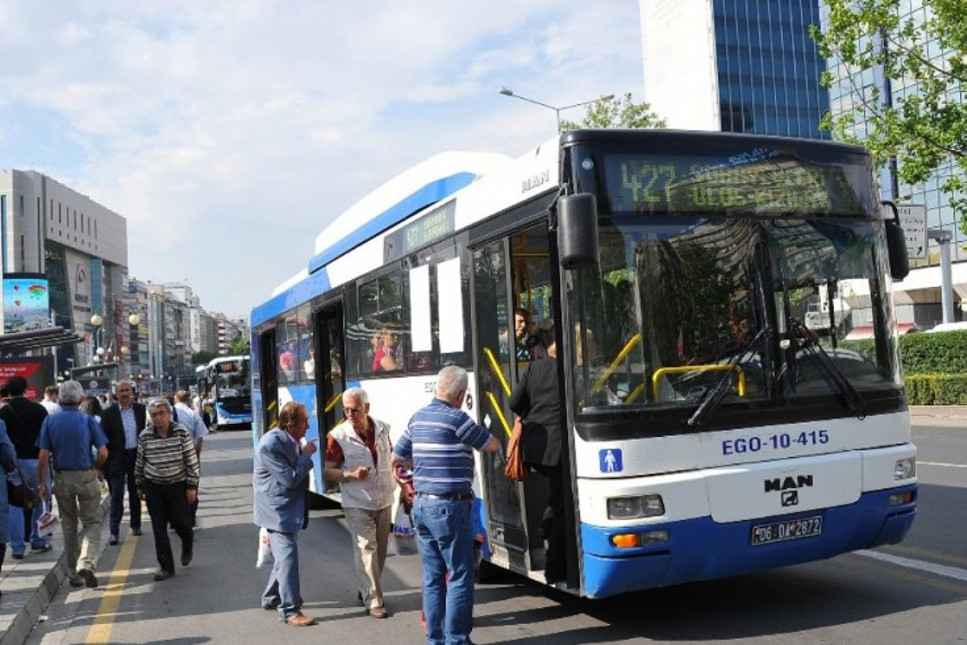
[
  {"x": 905, "y": 468},
  {"x": 629, "y": 508}
]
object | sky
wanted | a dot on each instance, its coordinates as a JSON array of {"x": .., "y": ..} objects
[{"x": 230, "y": 133}]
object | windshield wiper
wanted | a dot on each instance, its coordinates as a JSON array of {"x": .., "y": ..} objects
[
  {"x": 851, "y": 396},
  {"x": 714, "y": 397}
]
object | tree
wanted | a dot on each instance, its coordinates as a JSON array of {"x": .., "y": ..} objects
[
  {"x": 202, "y": 357},
  {"x": 926, "y": 129},
  {"x": 612, "y": 112},
  {"x": 238, "y": 347}
]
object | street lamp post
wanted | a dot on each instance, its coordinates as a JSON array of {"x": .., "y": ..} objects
[
  {"x": 97, "y": 321},
  {"x": 557, "y": 110}
]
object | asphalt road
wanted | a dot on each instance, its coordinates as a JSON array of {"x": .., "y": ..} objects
[{"x": 915, "y": 592}]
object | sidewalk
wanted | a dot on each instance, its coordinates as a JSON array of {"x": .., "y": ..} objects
[
  {"x": 29, "y": 584},
  {"x": 939, "y": 411}
]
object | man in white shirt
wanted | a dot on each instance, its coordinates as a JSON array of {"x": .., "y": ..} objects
[
  {"x": 188, "y": 418},
  {"x": 50, "y": 399}
]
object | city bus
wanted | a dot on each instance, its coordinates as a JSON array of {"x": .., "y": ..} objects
[
  {"x": 224, "y": 383},
  {"x": 708, "y": 430}
]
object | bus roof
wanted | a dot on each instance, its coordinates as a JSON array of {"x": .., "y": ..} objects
[
  {"x": 492, "y": 182},
  {"x": 412, "y": 190}
]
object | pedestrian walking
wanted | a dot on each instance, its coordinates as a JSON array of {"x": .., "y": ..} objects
[
  {"x": 359, "y": 456},
  {"x": 69, "y": 439},
  {"x": 280, "y": 480},
  {"x": 166, "y": 473},
  {"x": 8, "y": 461},
  {"x": 185, "y": 415},
  {"x": 123, "y": 422},
  {"x": 23, "y": 419}
]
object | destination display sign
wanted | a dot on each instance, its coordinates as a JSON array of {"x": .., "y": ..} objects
[{"x": 757, "y": 181}]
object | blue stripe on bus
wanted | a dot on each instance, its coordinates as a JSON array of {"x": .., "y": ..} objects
[
  {"x": 297, "y": 294},
  {"x": 700, "y": 549},
  {"x": 429, "y": 194}
]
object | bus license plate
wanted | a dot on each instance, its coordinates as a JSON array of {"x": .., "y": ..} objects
[{"x": 788, "y": 530}]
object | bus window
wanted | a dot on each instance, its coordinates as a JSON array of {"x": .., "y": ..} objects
[{"x": 377, "y": 341}]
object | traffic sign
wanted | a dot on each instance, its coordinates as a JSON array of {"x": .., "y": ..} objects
[{"x": 913, "y": 219}]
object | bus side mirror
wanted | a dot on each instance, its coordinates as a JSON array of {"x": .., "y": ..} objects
[
  {"x": 896, "y": 245},
  {"x": 577, "y": 230}
]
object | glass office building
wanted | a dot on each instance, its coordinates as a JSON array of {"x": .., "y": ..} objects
[
  {"x": 734, "y": 65},
  {"x": 852, "y": 85},
  {"x": 919, "y": 297}
]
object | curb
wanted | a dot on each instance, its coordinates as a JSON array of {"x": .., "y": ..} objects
[
  {"x": 23, "y": 623},
  {"x": 25, "y": 620}
]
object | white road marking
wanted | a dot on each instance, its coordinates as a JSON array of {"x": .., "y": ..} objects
[
  {"x": 937, "y": 569},
  {"x": 938, "y": 463}
]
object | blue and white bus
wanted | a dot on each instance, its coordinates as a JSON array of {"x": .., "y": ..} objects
[
  {"x": 709, "y": 432},
  {"x": 224, "y": 383}
]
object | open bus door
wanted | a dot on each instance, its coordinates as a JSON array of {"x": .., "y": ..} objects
[
  {"x": 509, "y": 273},
  {"x": 268, "y": 376},
  {"x": 329, "y": 376}
]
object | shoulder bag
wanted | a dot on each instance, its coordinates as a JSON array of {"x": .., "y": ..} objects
[
  {"x": 515, "y": 470},
  {"x": 23, "y": 494}
]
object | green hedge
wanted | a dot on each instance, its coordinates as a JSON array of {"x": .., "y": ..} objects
[
  {"x": 934, "y": 366},
  {"x": 937, "y": 389}
]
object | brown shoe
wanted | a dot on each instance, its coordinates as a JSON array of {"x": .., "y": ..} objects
[
  {"x": 379, "y": 612},
  {"x": 300, "y": 620}
]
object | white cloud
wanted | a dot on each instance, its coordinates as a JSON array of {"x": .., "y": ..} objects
[{"x": 229, "y": 133}]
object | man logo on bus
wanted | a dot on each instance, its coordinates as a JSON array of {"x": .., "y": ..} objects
[
  {"x": 788, "y": 483},
  {"x": 790, "y": 497}
]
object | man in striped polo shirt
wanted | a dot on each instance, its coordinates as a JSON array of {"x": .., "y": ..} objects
[{"x": 438, "y": 444}]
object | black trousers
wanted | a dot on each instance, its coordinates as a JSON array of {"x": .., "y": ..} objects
[
  {"x": 168, "y": 503},
  {"x": 117, "y": 482},
  {"x": 555, "y": 563}
]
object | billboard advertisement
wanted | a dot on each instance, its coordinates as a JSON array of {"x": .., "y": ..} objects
[
  {"x": 38, "y": 370},
  {"x": 26, "y": 302}
]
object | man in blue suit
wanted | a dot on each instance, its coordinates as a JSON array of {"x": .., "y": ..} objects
[{"x": 281, "y": 470}]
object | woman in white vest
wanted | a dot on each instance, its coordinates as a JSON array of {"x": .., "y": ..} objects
[{"x": 358, "y": 456}]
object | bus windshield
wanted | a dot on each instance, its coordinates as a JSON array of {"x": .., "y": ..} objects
[
  {"x": 231, "y": 378},
  {"x": 687, "y": 311}
]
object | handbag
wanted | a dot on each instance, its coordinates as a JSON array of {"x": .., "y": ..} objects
[
  {"x": 22, "y": 494},
  {"x": 515, "y": 470}
]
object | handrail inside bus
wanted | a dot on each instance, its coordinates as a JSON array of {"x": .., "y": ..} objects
[
  {"x": 331, "y": 403},
  {"x": 496, "y": 368},
  {"x": 601, "y": 380},
  {"x": 718, "y": 367},
  {"x": 500, "y": 415}
]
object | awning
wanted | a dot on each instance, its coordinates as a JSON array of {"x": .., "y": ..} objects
[
  {"x": 21, "y": 341},
  {"x": 859, "y": 333}
]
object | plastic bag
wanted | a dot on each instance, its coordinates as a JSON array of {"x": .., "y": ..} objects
[
  {"x": 404, "y": 535},
  {"x": 45, "y": 521},
  {"x": 264, "y": 557}
]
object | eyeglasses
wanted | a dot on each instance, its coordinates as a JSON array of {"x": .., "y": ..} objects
[{"x": 352, "y": 410}]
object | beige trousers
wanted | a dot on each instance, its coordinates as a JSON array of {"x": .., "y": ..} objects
[
  {"x": 79, "y": 491},
  {"x": 369, "y": 531}
]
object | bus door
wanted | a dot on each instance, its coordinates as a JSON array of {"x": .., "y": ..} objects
[
  {"x": 510, "y": 274},
  {"x": 329, "y": 375},
  {"x": 269, "y": 382}
]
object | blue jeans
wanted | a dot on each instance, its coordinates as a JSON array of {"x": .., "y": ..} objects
[
  {"x": 18, "y": 532},
  {"x": 443, "y": 528}
]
